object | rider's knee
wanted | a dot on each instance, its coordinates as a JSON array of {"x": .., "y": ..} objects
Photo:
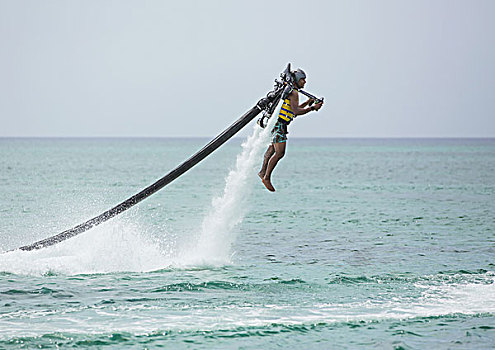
[
  {"x": 269, "y": 154},
  {"x": 280, "y": 154}
]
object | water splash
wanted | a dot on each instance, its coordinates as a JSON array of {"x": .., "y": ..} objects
[
  {"x": 227, "y": 210},
  {"x": 119, "y": 245},
  {"x": 123, "y": 245}
]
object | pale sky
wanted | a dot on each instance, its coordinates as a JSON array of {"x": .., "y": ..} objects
[{"x": 190, "y": 68}]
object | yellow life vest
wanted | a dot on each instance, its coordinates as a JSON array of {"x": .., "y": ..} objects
[{"x": 286, "y": 113}]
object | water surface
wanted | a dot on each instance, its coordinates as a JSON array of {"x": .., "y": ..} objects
[{"x": 367, "y": 243}]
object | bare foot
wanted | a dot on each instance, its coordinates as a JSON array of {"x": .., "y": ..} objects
[{"x": 268, "y": 185}]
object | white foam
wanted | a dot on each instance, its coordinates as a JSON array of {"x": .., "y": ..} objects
[
  {"x": 118, "y": 245},
  {"x": 464, "y": 298},
  {"x": 442, "y": 300}
]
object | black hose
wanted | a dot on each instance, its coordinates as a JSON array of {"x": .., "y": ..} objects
[{"x": 148, "y": 191}]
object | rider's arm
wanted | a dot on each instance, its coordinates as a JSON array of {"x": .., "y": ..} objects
[
  {"x": 308, "y": 101},
  {"x": 294, "y": 104}
]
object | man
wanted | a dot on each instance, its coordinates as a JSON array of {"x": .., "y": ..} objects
[{"x": 290, "y": 109}]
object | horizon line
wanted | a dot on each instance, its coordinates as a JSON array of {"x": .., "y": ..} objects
[{"x": 237, "y": 137}]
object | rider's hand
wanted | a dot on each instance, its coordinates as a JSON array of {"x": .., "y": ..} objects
[
  {"x": 310, "y": 102},
  {"x": 318, "y": 106}
]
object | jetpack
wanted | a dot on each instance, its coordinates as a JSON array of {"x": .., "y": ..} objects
[
  {"x": 286, "y": 84},
  {"x": 266, "y": 105}
]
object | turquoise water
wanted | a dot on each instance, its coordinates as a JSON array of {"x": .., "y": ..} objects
[{"x": 372, "y": 244}]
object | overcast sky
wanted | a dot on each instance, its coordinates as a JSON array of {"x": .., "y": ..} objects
[{"x": 190, "y": 68}]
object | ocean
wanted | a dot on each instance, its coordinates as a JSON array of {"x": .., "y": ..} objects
[{"x": 366, "y": 244}]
